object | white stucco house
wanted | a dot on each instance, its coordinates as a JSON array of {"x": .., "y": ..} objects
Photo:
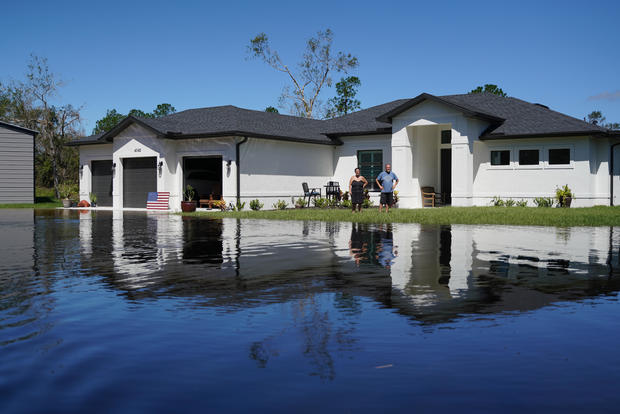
[{"x": 469, "y": 147}]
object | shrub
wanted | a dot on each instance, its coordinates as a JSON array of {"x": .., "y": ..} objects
[
  {"x": 367, "y": 203},
  {"x": 345, "y": 196},
  {"x": 522, "y": 203},
  {"x": 239, "y": 206},
  {"x": 256, "y": 205},
  {"x": 68, "y": 190},
  {"x": 320, "y": 202},
  {"x": 396, "y": 198},
  {"x": 221, "y": 204},
  {"x": 300, "y": 202},
  {"x": 543, "y": 202},
  {"x": 510, "y": 202},
  {"x": 562, "y": 193},
  {"x": 498, "y": 202},
  {"x": 332, "y": 202},
  {"x": 346, "y": 203},
  {"x": 280, "y": 205}
]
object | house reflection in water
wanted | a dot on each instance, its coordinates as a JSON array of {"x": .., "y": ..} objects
[{"x": 430, "y": 273}]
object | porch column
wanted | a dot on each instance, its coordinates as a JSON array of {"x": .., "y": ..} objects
[
  {"x": 462, "y": 168},
  {"x": 402, "y": 165}
]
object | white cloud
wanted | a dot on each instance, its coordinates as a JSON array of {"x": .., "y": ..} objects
[{"x": 606, "y": 96}]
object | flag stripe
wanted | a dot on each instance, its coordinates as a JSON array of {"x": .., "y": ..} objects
[{"x": 157, "y": 201}]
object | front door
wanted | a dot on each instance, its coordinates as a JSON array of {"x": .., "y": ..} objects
[{"x": 446, "y": 175}]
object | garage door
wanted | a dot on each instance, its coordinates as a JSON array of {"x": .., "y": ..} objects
[
  {"x": 101, "y": 183},
  {"x": 139, "y": 178}
]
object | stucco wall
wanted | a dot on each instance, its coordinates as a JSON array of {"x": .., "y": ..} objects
[
  {"x": 273, "y": 170},
  {"x": 587, "y": 174}
]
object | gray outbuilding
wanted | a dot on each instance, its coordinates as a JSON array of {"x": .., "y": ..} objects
[{"x": 16, "y": 164}]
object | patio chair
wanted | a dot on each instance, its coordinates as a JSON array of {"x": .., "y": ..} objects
[
  {"x": 428, "y": 196},
  {"x": 332, "y": 189},
  {"x": 310, "y": 192}
]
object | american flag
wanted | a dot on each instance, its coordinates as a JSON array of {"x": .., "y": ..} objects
[{"x": 157, "y": 201}]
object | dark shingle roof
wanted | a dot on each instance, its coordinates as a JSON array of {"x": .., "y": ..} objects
[
  {"x": 360, "y": 122},
  {"x": 18, "y": 128},
  {"x": 508, "y": 117}
]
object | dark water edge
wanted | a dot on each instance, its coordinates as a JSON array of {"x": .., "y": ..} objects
[{"x": 140, "y": 312}]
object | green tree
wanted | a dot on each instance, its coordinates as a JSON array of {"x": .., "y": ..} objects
[
  {"x": 113, "y": 117},
  {"x": 344, "y": 102},
  {"x": 272, "y": 109},
  {"x": 597, "y": 118},
  {"x": 29, "y": 103},
  {"x": 489, "y": 88},
  {"x": 314, "y": 72},
  {"x": 163, "y": 109},
  {"x": 109, "y": 121}
]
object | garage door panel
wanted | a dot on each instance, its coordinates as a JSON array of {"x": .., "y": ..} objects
[
  {"x": 102, "y": 182},
  {"x": 139, "y": 178}
]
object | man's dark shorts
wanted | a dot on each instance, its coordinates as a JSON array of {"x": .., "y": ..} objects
[{"x": 387, "y": 198}]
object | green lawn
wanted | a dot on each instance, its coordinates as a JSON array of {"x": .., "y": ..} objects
[
  {"x": 44, "y": 198},
  {"x": 529, "y": 216}
]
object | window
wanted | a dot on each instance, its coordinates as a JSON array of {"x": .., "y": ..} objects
[
  {"x": 559, "y": 156},
  {"x": 370, "y": 164},
  {"x": 500, "y": 157},
  {"x": 446, "y": 136},
  {"x": 529, "y": 157}
]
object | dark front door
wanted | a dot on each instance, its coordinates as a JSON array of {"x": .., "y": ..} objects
[
  {"x": 101, "y": 184},
  {"x": 446, "y": 175},
  {"x": 139, "y": 178}
]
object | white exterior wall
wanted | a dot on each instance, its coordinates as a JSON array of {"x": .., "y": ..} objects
[
  {"x": 587, "y": 175},
  {"x": 415, "y": 136},
  {"x": 273, "y": 170},
  {"x": 88, "y": 153},
  {"x": 345, "y": 158}
]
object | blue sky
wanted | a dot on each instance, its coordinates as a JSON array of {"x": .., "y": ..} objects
[{"x": 126, "y": 55}]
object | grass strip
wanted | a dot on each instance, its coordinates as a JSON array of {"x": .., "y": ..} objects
[{"x": 523, "y": 216}]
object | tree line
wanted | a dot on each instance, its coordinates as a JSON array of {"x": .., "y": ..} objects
[{"x": 29, "y": 102}]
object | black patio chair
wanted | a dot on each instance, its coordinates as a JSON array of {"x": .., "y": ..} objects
[
  {"x": 310, "y": 192},
  {"x": 332, "y": 190}
]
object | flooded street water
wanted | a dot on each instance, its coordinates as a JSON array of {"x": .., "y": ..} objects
[{"x": 111, "y": 312}]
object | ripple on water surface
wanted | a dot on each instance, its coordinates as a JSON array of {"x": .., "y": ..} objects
[{"x": 105, "y": 311}]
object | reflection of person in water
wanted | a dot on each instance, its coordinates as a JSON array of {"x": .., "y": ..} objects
[
  {"x": 358, "y": 246},
  {"x": 386, "y": 251}
]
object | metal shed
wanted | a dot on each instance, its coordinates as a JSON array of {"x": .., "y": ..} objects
[{"x": 16, "y": 164}]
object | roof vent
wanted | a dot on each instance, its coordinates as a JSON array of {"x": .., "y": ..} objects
[{"x": 544, "y": 106}]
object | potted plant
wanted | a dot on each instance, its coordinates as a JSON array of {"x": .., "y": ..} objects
[
  {"x": 300, "y": 203},
  {"x": 64, "y": 191},
  {"x": 564, "y": 195},
  {"x": 93, "y": 199},
  {"x": 188, "y": 204}
]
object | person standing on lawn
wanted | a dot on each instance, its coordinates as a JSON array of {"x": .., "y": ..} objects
[
  {"x": 387, "y": 182},
  {"x": 357, "y": 184}
]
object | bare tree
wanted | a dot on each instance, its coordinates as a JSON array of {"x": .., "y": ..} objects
[
  {"x": 29, "y": 104},
  {"x": 314, "y": 71}
]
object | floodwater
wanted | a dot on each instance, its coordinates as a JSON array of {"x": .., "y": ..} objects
[{"x": 136, "y": 312}]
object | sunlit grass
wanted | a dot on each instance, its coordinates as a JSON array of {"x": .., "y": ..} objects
[
  {"x": 529, "y": 216},
  {"x": 44, "y": 198}
]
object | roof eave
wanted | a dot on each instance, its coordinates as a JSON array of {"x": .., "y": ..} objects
[
  {"x": 18, "y": 128},
  {"x": 491, "y": 137},
  {"x": 387, "y": 117},
  {"x": 176, "y": 135}
]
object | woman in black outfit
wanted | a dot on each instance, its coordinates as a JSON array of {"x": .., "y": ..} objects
[{"x": 357, "y": 183}]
